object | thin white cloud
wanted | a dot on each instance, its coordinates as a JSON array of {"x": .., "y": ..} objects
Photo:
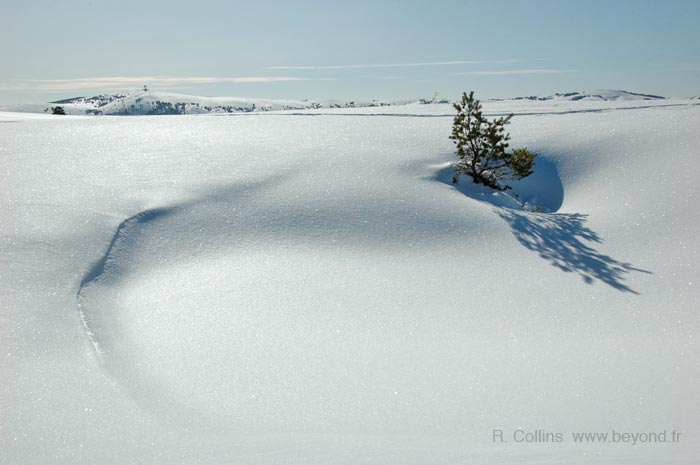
[
  {"x": 390, "y": 65},
  {"x": 513, "y": 72},
  {"x": 118, "y": 82}
]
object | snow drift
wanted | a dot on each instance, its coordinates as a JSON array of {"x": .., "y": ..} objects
[{"x": 304, "y": 289}]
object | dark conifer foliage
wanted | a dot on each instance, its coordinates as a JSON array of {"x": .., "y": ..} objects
[{"x": 482, "y": 147}]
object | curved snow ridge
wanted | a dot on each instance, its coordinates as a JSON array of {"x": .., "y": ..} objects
[{"x": 105, "y": 263}]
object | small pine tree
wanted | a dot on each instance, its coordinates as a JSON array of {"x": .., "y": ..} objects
[
  {"x": 58, "y": 111},
  {"x": 481, "y": 147}
]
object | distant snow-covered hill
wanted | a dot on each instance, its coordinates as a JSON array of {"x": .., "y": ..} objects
[
  {"x": 162, "y": 103},
  {"x": 596, "y": 95}
]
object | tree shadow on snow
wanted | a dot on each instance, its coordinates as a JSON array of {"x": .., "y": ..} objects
[
  {"x": 561, "y": 238},
  {"x": 566, "y": 242}
]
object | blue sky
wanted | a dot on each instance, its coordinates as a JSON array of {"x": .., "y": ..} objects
[{"x": 347, "y": 49}]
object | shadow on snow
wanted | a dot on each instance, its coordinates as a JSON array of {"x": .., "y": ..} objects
[
  {"x": 563, "y": 239},
  {"x": 566, "y": 242}
]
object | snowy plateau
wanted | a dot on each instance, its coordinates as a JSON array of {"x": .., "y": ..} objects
[{"x": 304, "y": 285}]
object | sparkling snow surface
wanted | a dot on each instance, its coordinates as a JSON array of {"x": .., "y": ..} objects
[{"x": 312, "y": 289}]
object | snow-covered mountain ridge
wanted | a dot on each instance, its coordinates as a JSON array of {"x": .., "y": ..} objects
[
  {"x": 596, "y": 95},
  {"x": 162, "y": 103},
  {"x": 143, "y": 102}
]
